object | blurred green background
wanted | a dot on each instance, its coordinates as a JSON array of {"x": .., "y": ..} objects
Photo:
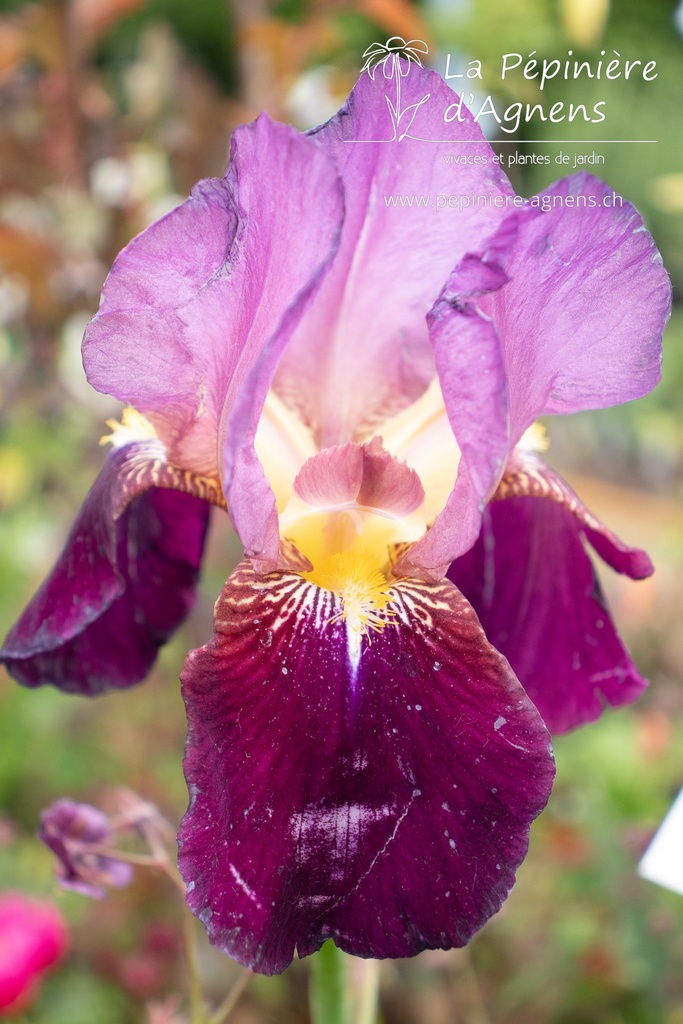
[{"x": 110, "y": 110}]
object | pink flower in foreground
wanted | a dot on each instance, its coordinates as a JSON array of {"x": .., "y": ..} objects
[
  {"x": 33, "y": 938},
  {"x": 355, "y": 382}
]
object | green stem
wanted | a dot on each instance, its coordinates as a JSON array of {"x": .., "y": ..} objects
[{"x": 328, "y": 996}]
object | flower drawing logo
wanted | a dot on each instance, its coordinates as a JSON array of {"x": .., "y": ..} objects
[{"x": 387, "y": 56}]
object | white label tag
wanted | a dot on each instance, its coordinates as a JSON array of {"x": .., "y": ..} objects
[{"x": 663, "y": 860}]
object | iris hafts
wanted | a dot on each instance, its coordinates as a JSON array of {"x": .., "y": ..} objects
[{"x": 416, "y": 611}]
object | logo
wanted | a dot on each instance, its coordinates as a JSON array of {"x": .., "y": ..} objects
[{"x": 395, "y": 58}]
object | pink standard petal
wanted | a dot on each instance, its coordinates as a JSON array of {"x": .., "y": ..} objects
[
  {"x": 473, "y": 381},
  {"x": 383, "y": 801},
  {"x": 560, "y": 311},
  {"x": 122, "y": 586},
  {"x": 591, "y": 281},
  {"x": 533, "y": 587},
  {"x": 363, "y": 352},
  {"x": 197, "y": 309}
]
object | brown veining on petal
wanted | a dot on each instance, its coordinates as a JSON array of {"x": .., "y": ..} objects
[
  {"x": 291, "y": 558},
  {"x": 397, "y": 551},
  {"x": 147, "y": 466},
  {"x": 526, "y": 476}
]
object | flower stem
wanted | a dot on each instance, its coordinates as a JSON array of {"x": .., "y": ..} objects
[
  {"x": 230, "y": 1001},
  {"x": 467, "y": 994},
  {"x": 365, "y": 990},
  {"x": 190, "y": 943},
  {"x": 141, "y": 860},
  {"x": 328, "y": 994},
  {"x": 171, "y": 871}
]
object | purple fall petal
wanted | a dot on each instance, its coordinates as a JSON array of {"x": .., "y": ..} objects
[
  {"x": 363, "y": 351},
  {"x": 119, "y": 590},
  {"x": 383, "y": 801},
  {"x": 560, "y": 310},
  {"x": 534, "y": 589},
  {"x": 526, "y": 475}
]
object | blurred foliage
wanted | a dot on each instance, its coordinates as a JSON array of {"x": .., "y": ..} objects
[
  {"x": 206, "y": 31},
  {"x": 109, "y": 111},
  {"x": 649, "y": 176}
]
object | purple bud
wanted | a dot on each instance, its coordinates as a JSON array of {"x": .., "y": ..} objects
[{"x": 75, "y": 833}]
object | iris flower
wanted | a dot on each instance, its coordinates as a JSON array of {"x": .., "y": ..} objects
[{"x": 357, "y": 384}]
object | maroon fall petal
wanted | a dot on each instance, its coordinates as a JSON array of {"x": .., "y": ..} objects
[
  {"x": 532, "y": 584},
  {"x": 527, "y": 475},
  {"x": 381, "y": 799},
  {"x": 119, "y": 590}
]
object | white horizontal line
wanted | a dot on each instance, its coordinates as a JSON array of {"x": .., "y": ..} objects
[{"x": 576, "y": 142}]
